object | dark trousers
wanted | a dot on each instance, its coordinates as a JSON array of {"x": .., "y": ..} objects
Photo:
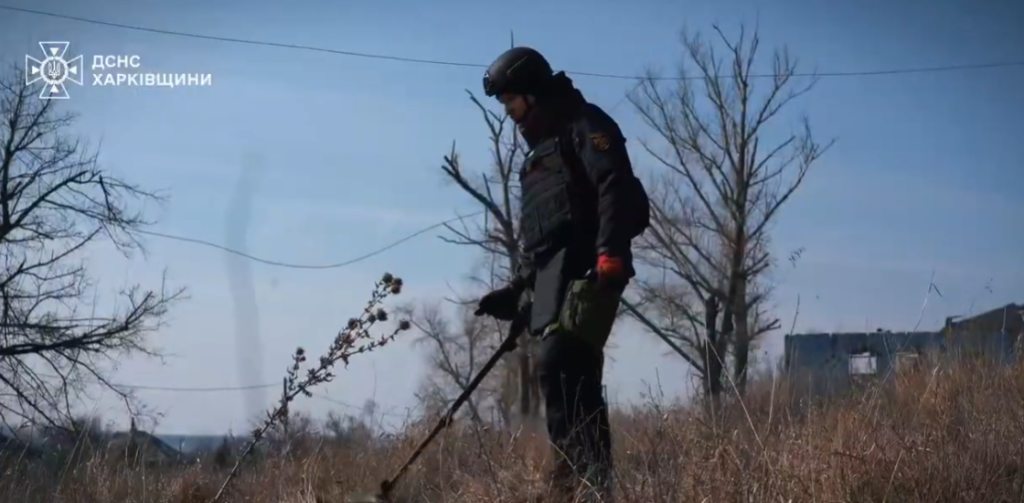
[{"x": 570, "y": 371}]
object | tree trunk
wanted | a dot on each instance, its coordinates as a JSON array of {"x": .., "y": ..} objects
[
  {"x": 712, "y": 350},
  {"x": 742, "y": 338},
  {"x": 741, "y": 356}
]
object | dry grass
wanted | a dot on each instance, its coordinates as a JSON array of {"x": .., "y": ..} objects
[{"x": 939, "y": 434}]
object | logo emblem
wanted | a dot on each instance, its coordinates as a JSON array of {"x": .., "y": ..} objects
[{"x": 53, "y": 70}]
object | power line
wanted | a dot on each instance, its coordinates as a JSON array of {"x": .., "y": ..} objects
[
  {"x": 176, "y": 389},
  {"x": 211, "y": 389},
  {"x": 404, "y": 59},
  {"x": 625, "y": 96},
  {"x": 309, "y": 266},
  {"x": 223, "y": 389},
  {"x": 336, "y": 401},
  {"x": 361, "y": 409}
]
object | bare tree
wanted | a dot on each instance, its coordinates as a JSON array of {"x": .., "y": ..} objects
[
  {"x": 457, "y": 353},
  {"x": 55, "y": 201},
  {"x": 298, "y": 438},
  {"x": 347, "y": 430},
  {"x": 723, "y": 185},
  {"x": 497, "y": 191}
]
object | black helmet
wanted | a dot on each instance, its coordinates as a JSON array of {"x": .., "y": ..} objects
[{"x": 519, "y": 70}]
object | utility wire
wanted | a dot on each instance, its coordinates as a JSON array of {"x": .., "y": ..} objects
[
  {"x": 360, "y": 409},
  {"x": 404, "y": 59},
  {"x": 176, "y": 389},
  {"x": 223, "y": 389},
  {"x": 218, "y": 389},
  {"x": 289, "y": 265},
  {"x": 172, "y": 388}
]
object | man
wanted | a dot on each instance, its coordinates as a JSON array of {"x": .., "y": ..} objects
[{"x": 581, "y": 207}]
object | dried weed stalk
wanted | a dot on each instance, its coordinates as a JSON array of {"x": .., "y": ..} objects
[{"x": 354, "y": 339}]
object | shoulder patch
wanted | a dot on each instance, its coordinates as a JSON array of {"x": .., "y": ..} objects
[{"x": 600, "y": 141}]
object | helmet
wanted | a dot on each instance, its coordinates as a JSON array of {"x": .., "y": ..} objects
[{"x": 520, "y": 70}]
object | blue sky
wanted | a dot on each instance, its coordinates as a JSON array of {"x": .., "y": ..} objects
[{"x": 345, "y": 154}]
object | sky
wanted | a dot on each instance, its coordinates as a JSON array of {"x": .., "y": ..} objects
[{"x": 315, "y": 158}]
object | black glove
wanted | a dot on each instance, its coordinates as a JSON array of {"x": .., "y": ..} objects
[{"x": 502, "y": 304}]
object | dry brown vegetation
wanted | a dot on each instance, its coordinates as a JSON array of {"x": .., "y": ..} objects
[{"x": 942, "y": 433}]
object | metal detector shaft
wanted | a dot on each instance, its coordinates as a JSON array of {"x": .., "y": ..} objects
[{"x": 517, "y": 326}]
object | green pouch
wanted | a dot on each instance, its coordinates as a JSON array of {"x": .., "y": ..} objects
[{"x": 589, "y": 311}]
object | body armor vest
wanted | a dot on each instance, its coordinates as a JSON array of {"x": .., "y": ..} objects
[{"x": 549, "y": 218}]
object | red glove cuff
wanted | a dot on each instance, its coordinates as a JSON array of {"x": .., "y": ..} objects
[{"x": 610, "y": 267}]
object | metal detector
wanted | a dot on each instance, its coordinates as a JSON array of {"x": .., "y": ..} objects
[{"x": 515, "y": 328}]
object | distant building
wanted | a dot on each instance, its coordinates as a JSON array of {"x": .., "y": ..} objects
[
  {"x": 133, "y": 445},
  {"x": 827, "y": 363},
  {"x": 139, "y": 446},
  {"x": 1008, "y": 319}
]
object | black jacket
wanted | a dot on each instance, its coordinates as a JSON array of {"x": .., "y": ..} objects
[{"x": 594, "y": 152}]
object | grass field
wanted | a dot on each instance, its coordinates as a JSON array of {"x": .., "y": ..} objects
[{"x": 944, "y": 433}]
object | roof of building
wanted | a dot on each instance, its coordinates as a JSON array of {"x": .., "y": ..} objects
[
  {"x": 1008, "y": 319},
  {"x": 152, "y": 448}
]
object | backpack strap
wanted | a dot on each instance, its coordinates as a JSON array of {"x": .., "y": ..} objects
[{"x": 581, "y": 186}]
